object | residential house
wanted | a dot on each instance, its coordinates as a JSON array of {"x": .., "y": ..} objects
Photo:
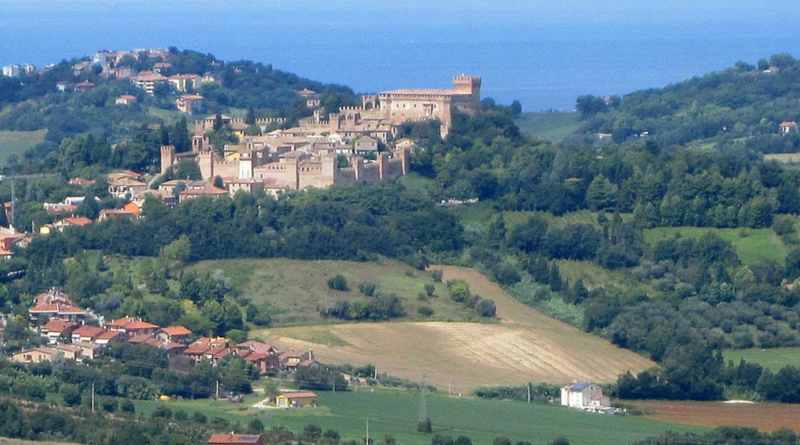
[
  {"x": 365, "y": 145},
  {"x": 106, "y": 214},
  {"x": 296, "y": 399},
  {"x": 208, "y": 190},
  {"x": 134, "y": 207},
  {"x": 148, "y": 81},
  {"x": 174, "y": 334},
  {"x": 788, "y": 127},
  {"x": 110, "y": 337},
  {"x": 70, "y": 352},
  {"x": 56, "y": 304},
  {"x": 184, "y": 82},
  {"x": 80, "y": 182},
  {"x": 172, "y": 349},
  {"x": 36, "y": 355},
  {"x": 235, "y": 439},
  {"x": 132, "y": 327},
  {"x": 88, "y": 350},
  {"x": 125, "y": 99},
  {"x": 86, "y": 334},
  {"x": 189, "y": 103},
  {"x": 124, "y": 187},
  {"x": 57, "y": 330},
  {"x": 83, "y": 86},
  {"x": 292, "y": 359},
  {"x": 583, "y": 395},
  {"x": 60, "y": 225}
]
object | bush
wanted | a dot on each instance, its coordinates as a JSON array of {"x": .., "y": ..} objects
[
  {"x": 367, "y": 288},
  {"x": 126, "y": 406},
  {"x": 437, "y": 275},
  {"x": 485, "y": 307},
  {"x": 425, "y": 425},
  {"x": 162, "y": 412},
  {"x": 199, "y": 417},
  {"x": 339, "y": 283},
  {"x": 72, "y": 397},
  {"x": 109, "y": 405},
  {"x": 425, "y": 311},
  {"x": 430, "y": 289}
]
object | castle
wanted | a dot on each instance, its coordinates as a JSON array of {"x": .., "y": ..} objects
[{"x": 342, "y": 148}]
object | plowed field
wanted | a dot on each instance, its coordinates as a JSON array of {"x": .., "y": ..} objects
[
  {"x": 764, "y": 416},
  {"x": 526, "y": 346}
]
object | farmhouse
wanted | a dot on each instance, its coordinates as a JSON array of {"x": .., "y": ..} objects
[
  {"x": 584, "y": 395},
  {"x": 296, "y": 399}
]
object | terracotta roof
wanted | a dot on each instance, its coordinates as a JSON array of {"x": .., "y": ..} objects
[
  {"x": 233, "y": 438},
  {"x": 56, "y": 308},
  {"x": 78, "y": 221},
  {"x": 110, "y": 335},
  {"x": 88, "y": 331},
  {"x": 255, "y": 346},
  {"x": 139, "y": 325},
  {"x": 58, "y": 326},
  {"x": 176, "y": 330},
  {"x": 298, "y": 395},
  {"x": 120, "y": 322},
  {"x": 208, "y": 189},
  {"x": 195, "y": 349},
  {"x": 138, "y": 339},
  {"x": 254, "y": 357},
  {"x": 168, "y": 346},
  {"x": 306, "y": 92}
]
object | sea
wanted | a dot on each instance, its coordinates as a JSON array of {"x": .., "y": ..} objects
[{"x": 544, "y": 53}]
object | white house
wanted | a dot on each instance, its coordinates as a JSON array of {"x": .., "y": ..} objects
[{"x": 584, "y": 395}]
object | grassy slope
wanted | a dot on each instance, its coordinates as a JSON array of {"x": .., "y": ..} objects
[
  {"x": 774, "y": 359},
  {"x": 550, "y": 126},
  {"x": 295, "y": 291},
  {"x": 525, "y": 346},
  {"x": 758, "y": 245},
  {"x": 18, "y": 141},
  {"x": 396, "y": 412}
]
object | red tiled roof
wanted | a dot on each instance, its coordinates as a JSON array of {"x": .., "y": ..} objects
[
  {"x": 176, "y": 330},
  {"x": 138, "y": 339},
  {"x": 168, "y": 346},
  {"x": 139, "y": 325},
  {"x": 298, "y": 395},
  {"x": 195, "y": 349},
  {"x": 58, "y": 326},
  {"x": 57, "y": 308},
  {"x": 78, "y": 221},
  {"x": 88, "y": 331},
  {"x": 110, "y": 335},
  {"x": 121, "y": 322},
  {"x": 255, "y": 357}
]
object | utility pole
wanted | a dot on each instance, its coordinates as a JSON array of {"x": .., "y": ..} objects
[
  {"x": 367, "y": 443},
  {"x": 529, "y": 392},
  {"x": 423, "y": 404},
  {"x": 93, "y": 398}
]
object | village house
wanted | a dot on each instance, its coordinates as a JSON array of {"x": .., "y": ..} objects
[
  {"x": 189, "y": 103},
  {"x": 174, "y": 334},
  {"x": 35, "y": 355},
  {"x": 56, "y": 305},
  {"x": 125, "y": 99},
  {"x": 788, "y": 127},
  {"x": 106, "y": 214},
  {"x": 148, "y": 81},
  {"x": 584, "y": 395},
  {"x": 292, "y": 359},
  {"x": 86, "y": 334},
  {"x": 57, "y": 330},
  {"x": 296, "y": 399},
  {"x": 124, "y": 187},
  {"x": 235, "y": 439}
]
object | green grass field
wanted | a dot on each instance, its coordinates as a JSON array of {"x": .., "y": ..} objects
[
  {"x": 16, "y": 142},
  {"x": 293, "y": 291},
  {"x": 553, "y": 127},
  {"x": 396, "y": 412},
  {"x": 756, "y": 246},
  {"x": 774, "y": 358}
]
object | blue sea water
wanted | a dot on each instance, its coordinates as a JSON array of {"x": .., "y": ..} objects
[{"x": 543, "y": 53}]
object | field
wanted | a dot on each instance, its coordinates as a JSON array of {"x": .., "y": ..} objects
[
  {"x": 764, "y": 416},
  {"x": 774, "y": 359},
  {"x": 756, "y": 246},
  {"x": 9, "y": 441},
  {"x": 16, "y": 142},
  {"x": 396, "y": 412},
  {"x": 293, "y": 292},
  {"x": 525, "y": 346},
  {"x": 553, "y": 127}
]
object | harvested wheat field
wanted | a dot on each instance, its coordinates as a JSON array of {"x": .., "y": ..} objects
[
  {"x": 764, "y": 416},
  {"x": 526, "y": 346}
]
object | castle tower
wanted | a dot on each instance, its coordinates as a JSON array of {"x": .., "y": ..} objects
[
  {"x": 358, "y": 167},
  {"x": 329, "y": 168},
  {"x": 197, "y": 144},
  {"x": 469, "y": 86},
  {"x": 167, "y": 157},
  {"x": 383, "y": 165},
  {"x": 245, "y": 166},
  {"x": 369, "y": 101}
]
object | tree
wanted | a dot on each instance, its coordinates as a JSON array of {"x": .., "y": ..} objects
[
  {"x": 485, "y": 307},
  {"x": 516, "y": 108},
  {"x": 425, "y": 425},
  {"x": 338, "y": 282},
  {"x": 179, "y": 250},
  {"x": 430, "y": 289}
]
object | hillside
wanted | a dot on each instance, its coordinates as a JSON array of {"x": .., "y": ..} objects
[
  {"x": 553, "y": 126},
  {"x": 738, "y": 108},
  {"x": 525, "y": 346}
]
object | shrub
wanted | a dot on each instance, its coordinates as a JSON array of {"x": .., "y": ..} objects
[
  {"x": 425, "y": 425},
  {"x": 162, "y": 412},
  {"x": 430, "y": 289},
  {"x": 425, "y": 311},
  {"x": 199, "y": 417},
  {"x": 126, "y": 406},
  {"x": 437, "y": 275},
  {"x": 485, "y": 307},
  {"x": 367, "y": 288},
  {"x": 339, "y": 283}
]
